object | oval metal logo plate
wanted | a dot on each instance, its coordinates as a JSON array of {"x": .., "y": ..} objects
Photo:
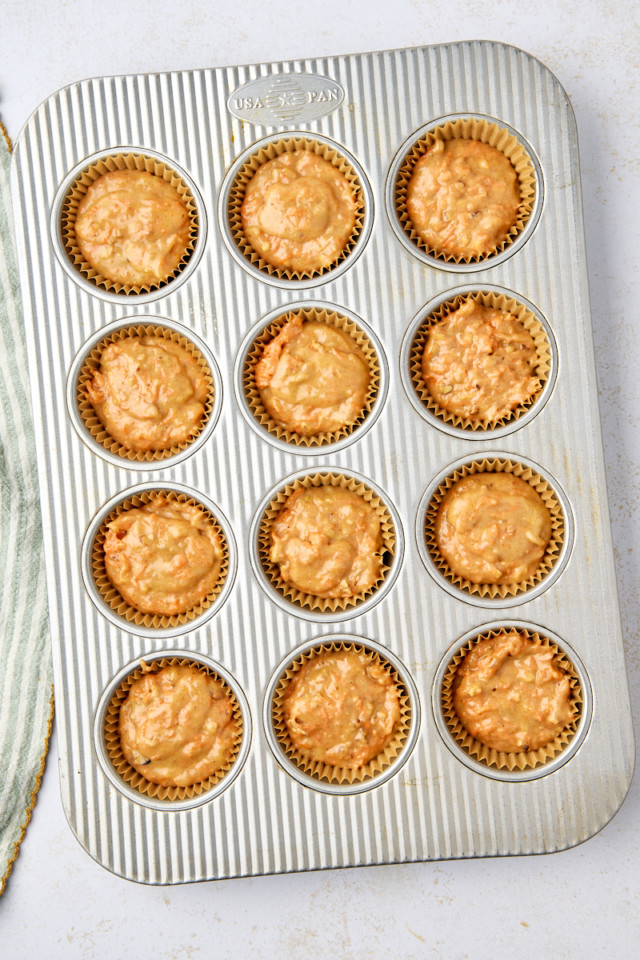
[{"x": 286, "y": 98}]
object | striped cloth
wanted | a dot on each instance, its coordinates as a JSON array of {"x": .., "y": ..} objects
[{"x": 26, "y": 695}]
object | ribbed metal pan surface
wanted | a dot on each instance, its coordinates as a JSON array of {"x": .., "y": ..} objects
[{"x": 433, "y": 806}]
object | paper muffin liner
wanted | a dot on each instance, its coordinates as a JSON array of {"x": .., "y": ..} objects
[
  {"x": 497, "y": 591},
  {"x": 78, "y": 189},
  {"x": 324, "y": 771},
  {"x": 269, "y": 152},
  {"x": 486, "y": 131},
  {"x": 499, "y": 302},
  {"x": 272, "y": 570},
  {"x": 89, "y": 417},
  {"x": 522, "y": 760},
  {"x": 252, "y": 394},
  {"x": 112, "y": 735},
  {"x": 112, "y": 596}
]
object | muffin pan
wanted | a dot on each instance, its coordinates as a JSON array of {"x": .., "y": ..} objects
[{"x": 434, "y": 800}]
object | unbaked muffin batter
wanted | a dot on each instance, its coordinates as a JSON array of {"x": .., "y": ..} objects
[
  {"x": 298, "y": 212},
  {"x": 463, "y": 198},
  {"x": 493, "y": 528},
  {"x": 163, "y": 557},
  {"x": 149, "y": 393},
  {"x": 132, "y": 227},
  {"x": 177, "y": 726},
  {"x": 341, "y": 708},
  {"x": 312, "y": 377},
  {"x": 511, "y": 694},
  {"x": 327, "y": 542},
  {"x": 479, "y": 362}
]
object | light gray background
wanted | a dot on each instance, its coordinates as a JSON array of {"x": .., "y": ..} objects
[{"x": 580, "y": 903}]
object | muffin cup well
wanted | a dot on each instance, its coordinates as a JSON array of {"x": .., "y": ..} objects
[
  {"x": 333, "y": 318},
  {"x": 326, "y": 779},
  {"x": 233, "y": 194},
  {"x": 317, "y": 769},
  {"x": 91, "y": 425},
  {"x": 108, "y": 599},
  {"x": 487, "y": 297},
  {"x": 516, "y": 765},
  {"x": 129, "y": 775},
  {"x": 556, "y": 554},
  {"x": 104, "y": 163},
  {"x": 308, "y": 605},
  {"x": 467, "y": 127}
]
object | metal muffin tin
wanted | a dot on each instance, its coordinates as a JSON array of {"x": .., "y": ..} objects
[
  {"x": 152, "y": 802},
  {"x": 57, "y": 238},
  {"x": 437, "y": 262},
  {"x": 326, "y": 786},
  {"x": 263, "y": 276},
  {"x": 433, "y": 804},
  {"x": 72, "y": 391}
]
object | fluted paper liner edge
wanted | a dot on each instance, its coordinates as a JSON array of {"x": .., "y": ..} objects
[
  {"x": 272, "y": 570},
  {"x": 111, "y": 734},
  {"x": 499, "y": 302},
  {"x": 469, "y": 128},
  {"x": 111, "y": 596},
  {"x": 78, "y": 189},
  {"x": 269, "y": 152},
  {"x": 323, "y": 771},
  {"x": 252, "y": 394},
  {"x": 92, "y": 423},
  {"x": 522, "y": 760},
  {"x": 497, "y": 591}
]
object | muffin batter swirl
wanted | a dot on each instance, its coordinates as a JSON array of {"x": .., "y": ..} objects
[
  {"x": 327, "y": 542},
  {"x": 299, "y": 211}
]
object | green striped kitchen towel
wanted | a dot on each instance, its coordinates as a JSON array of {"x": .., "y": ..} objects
[{"x": 26, "y": 695}]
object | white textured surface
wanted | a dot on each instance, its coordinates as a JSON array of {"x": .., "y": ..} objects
[{"x": 414, "y": 909}]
